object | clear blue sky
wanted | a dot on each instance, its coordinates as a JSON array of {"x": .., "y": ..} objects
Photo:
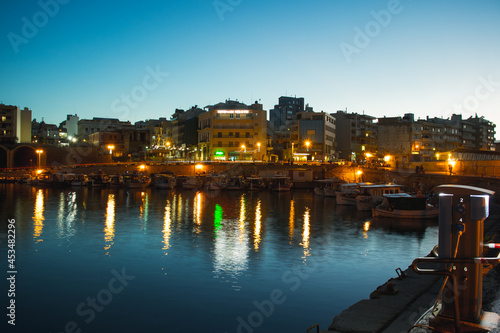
[{"x": 431, "y": 58}]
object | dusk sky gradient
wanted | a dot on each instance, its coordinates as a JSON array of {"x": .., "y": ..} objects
[{"x": 431, "y": 58}]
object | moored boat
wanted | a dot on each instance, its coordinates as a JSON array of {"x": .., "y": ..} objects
[
  {"x": 373, "y": 194},
  {"x": 77, "y": 180},
  {"x": 280, "y": 182},
  {"x": 255, "y": 183},
  {"x": 136, "y": 179},
  {"x": 405, "y": 206},
  {"x": 115, "y": 180},
  {"x": 165, "y": 180},
  {"x": 98, "y": 179},
  {"x": 235, "y": 183},
  {"x": 44, "y": 179},
  {"x": 214, "y": 182},
  {"x": 326, "y": 187},
  {"x": 347, "y": 193}
]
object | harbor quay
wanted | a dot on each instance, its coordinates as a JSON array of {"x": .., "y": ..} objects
[{"x": 313, "y": 172}]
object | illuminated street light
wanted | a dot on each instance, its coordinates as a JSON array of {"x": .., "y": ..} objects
[
  {"x": 244, "y": 148},
  {"x": 111, "y": 147},
  {"x": 308, "y": 143},
  {"x": 39, "y": 152},
  {"x": 258, "y": 145},
  {"x": 142, "y": 167}
]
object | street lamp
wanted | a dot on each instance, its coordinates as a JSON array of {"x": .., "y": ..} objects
[
  {"x": 308, "y": 143},
  {"x": 39, "y": 152},
  {"x": 258, "y": 146},
  {"x": 111, "y": 147}
]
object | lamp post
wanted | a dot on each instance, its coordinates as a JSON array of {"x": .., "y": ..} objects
[
  {"x": 292, "y": 150},
  {"x": 39, "y": 152},
  {"x": 308, "y": 143},
  {"x": 111, "y": 147},
  {"x": 244, "y": 149}
]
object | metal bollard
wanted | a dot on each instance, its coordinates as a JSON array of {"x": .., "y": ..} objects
[{"x": 463, "y": 210}]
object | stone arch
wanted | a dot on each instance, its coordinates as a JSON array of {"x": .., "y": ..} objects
[
  {"x": 3, "y": 157},
  {"x": 24, "y": 157}
]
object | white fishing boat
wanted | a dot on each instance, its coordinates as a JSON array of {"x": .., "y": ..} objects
[
  {"x": 405, "y": 206},
  {"x": 347, "y": 193},
  {"x": 373, "y": 194},
  {"x": 165, "y": 180}
]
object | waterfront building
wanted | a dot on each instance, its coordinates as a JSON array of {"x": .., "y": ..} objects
[
  {"x": 97, "y": 124},
  {"x": 71, "y": 126},
  {"x": 356, "y": 135},
  {"x": 410, "y": 140},
  {"x": 47, "y": 133},
  {"x": 185, "y": 132},
  {"x": 15, "y": 124},
  {"x": 125, "y": 141},
  {"x": 313, "y": 137},
  {"x": 284, "y": 113},
  {"x": 232, "y": 131}
]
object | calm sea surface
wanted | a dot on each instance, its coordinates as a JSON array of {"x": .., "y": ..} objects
[{"x": 104, "y": 260}]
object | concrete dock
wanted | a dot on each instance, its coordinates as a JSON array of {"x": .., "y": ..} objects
[{"x": 396, "y": 312}]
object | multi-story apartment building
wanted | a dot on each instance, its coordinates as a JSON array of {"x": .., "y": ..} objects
[
  {"x": 185, "y": 131},
  {"x": 15, "y": 124},
  {"x": 355, "y": 135},
  {"x": 284, "y": 113},
  {"x": 313, "y": 137},
  {"x": 232, "y": 131},
  {"x": 96, "y": 124},
  {"x": 124, "y": 141},
  {"x": 426, "y": 139},
  {"x": 71, "y": 126}
]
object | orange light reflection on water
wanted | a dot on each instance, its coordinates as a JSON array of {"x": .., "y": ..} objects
[
  {"x": 38, "y": 217},
  {"x": 109, "y": 228},
  {"x": 258, "y": 226}
]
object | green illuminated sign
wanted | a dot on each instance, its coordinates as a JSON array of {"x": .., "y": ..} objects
[{"x": 219, "y": 153}]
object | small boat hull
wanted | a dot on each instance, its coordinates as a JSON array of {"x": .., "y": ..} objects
[{"x": 429, "y": 213}]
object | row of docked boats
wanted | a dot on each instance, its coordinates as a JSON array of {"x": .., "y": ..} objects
[
  {"x": 98, "y": 179},
  {"x": 384, "y": 200},
  {"x": 166, "y": 180}
]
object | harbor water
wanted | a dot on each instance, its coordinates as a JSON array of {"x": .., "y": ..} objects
[{"x": 118, "y": 260}]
